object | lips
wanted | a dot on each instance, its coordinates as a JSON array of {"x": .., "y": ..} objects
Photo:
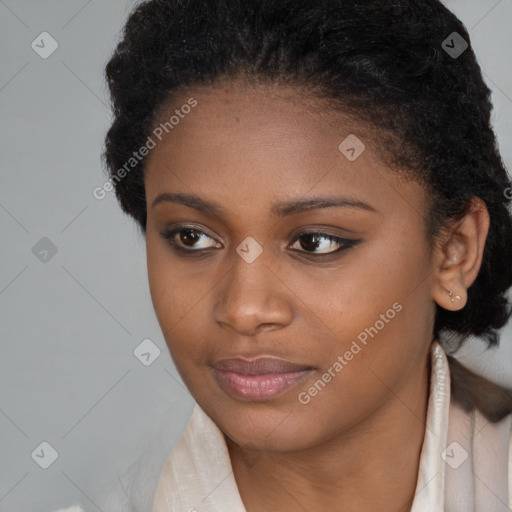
[
  {"x": 258, "y": 366},
  {"x": 258, "y": 379}
]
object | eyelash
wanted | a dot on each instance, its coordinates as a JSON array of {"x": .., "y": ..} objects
[{"x": 345, "y": 243}]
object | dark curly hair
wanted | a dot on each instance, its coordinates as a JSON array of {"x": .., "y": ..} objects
[{"x": 382, "y": 62}]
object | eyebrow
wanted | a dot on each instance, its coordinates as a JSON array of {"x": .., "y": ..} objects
[{"x": 280, "y": 209}]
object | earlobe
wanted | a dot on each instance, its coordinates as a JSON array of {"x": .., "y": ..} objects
[
  {"x": 451, "y": 295},
  {"x": 453, "y": 299},
  {"x": 460, "y": 257}
]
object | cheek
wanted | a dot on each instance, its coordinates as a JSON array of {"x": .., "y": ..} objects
[
  {"x": 162, "y": 286},
  {"x": 365, "y": 285},
  {"x": 178, "y": 294},
  {"x": 174, "y": 294},
  {"x": 171, "y": 299},
  {"x": 379, "y": 301}
]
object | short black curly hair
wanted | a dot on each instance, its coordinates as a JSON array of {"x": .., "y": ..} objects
[{"x": 382, "y": 61}]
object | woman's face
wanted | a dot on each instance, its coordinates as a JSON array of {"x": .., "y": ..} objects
[{"x": 347, "y": 310}]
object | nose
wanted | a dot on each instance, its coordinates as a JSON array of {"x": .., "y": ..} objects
[{"x": 253, "y": 298}]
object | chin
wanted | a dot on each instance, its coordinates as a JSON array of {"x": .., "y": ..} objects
[{"x": 266, "y": 429}]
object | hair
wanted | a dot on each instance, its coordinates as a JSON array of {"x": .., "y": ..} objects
[{"x": 381, "y": 62}]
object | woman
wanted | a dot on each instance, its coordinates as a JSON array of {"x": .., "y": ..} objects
[{"x": 325, "y": 213}]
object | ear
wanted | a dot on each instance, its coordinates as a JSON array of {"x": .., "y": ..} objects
[{"x": 458, "y": 257}]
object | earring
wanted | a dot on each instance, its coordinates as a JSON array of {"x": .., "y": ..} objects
[{"x": 451, "y": 294}]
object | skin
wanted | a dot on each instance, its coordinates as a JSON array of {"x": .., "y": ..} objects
[{"x": 246, "y": 147}]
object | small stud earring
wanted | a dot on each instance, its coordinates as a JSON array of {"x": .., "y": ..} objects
[{"x": 451, "y": 294}]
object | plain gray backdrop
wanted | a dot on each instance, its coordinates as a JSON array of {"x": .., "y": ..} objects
[{"x": 74, "y": 298}]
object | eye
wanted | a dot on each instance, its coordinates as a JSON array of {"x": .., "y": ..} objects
[
  {"x": 327, "y": 244},
  {"x": 188, "y": 237}
]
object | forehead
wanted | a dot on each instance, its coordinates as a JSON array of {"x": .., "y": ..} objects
[
  {"x": 244, "y": 144},
  {"x": 272, "y": 113}
]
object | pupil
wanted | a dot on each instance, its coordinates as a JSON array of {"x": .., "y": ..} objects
[
  {"x": 312, "y": 245},
  {"x": 186, "y": 234}
]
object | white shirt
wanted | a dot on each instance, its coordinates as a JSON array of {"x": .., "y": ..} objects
[{"x": 465, "y": 463}]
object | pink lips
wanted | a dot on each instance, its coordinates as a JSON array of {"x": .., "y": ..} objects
[{"x": 258, "y": 379}]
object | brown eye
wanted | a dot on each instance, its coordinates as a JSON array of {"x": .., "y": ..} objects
[
  {"x": 189, "y": 238},
  {"x": 312, "y": 241}
]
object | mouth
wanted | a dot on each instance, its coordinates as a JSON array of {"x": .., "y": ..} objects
[{"x": 258, "y": 379}]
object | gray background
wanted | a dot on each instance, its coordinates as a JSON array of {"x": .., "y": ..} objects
[{"x": 69, "y": 325}]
